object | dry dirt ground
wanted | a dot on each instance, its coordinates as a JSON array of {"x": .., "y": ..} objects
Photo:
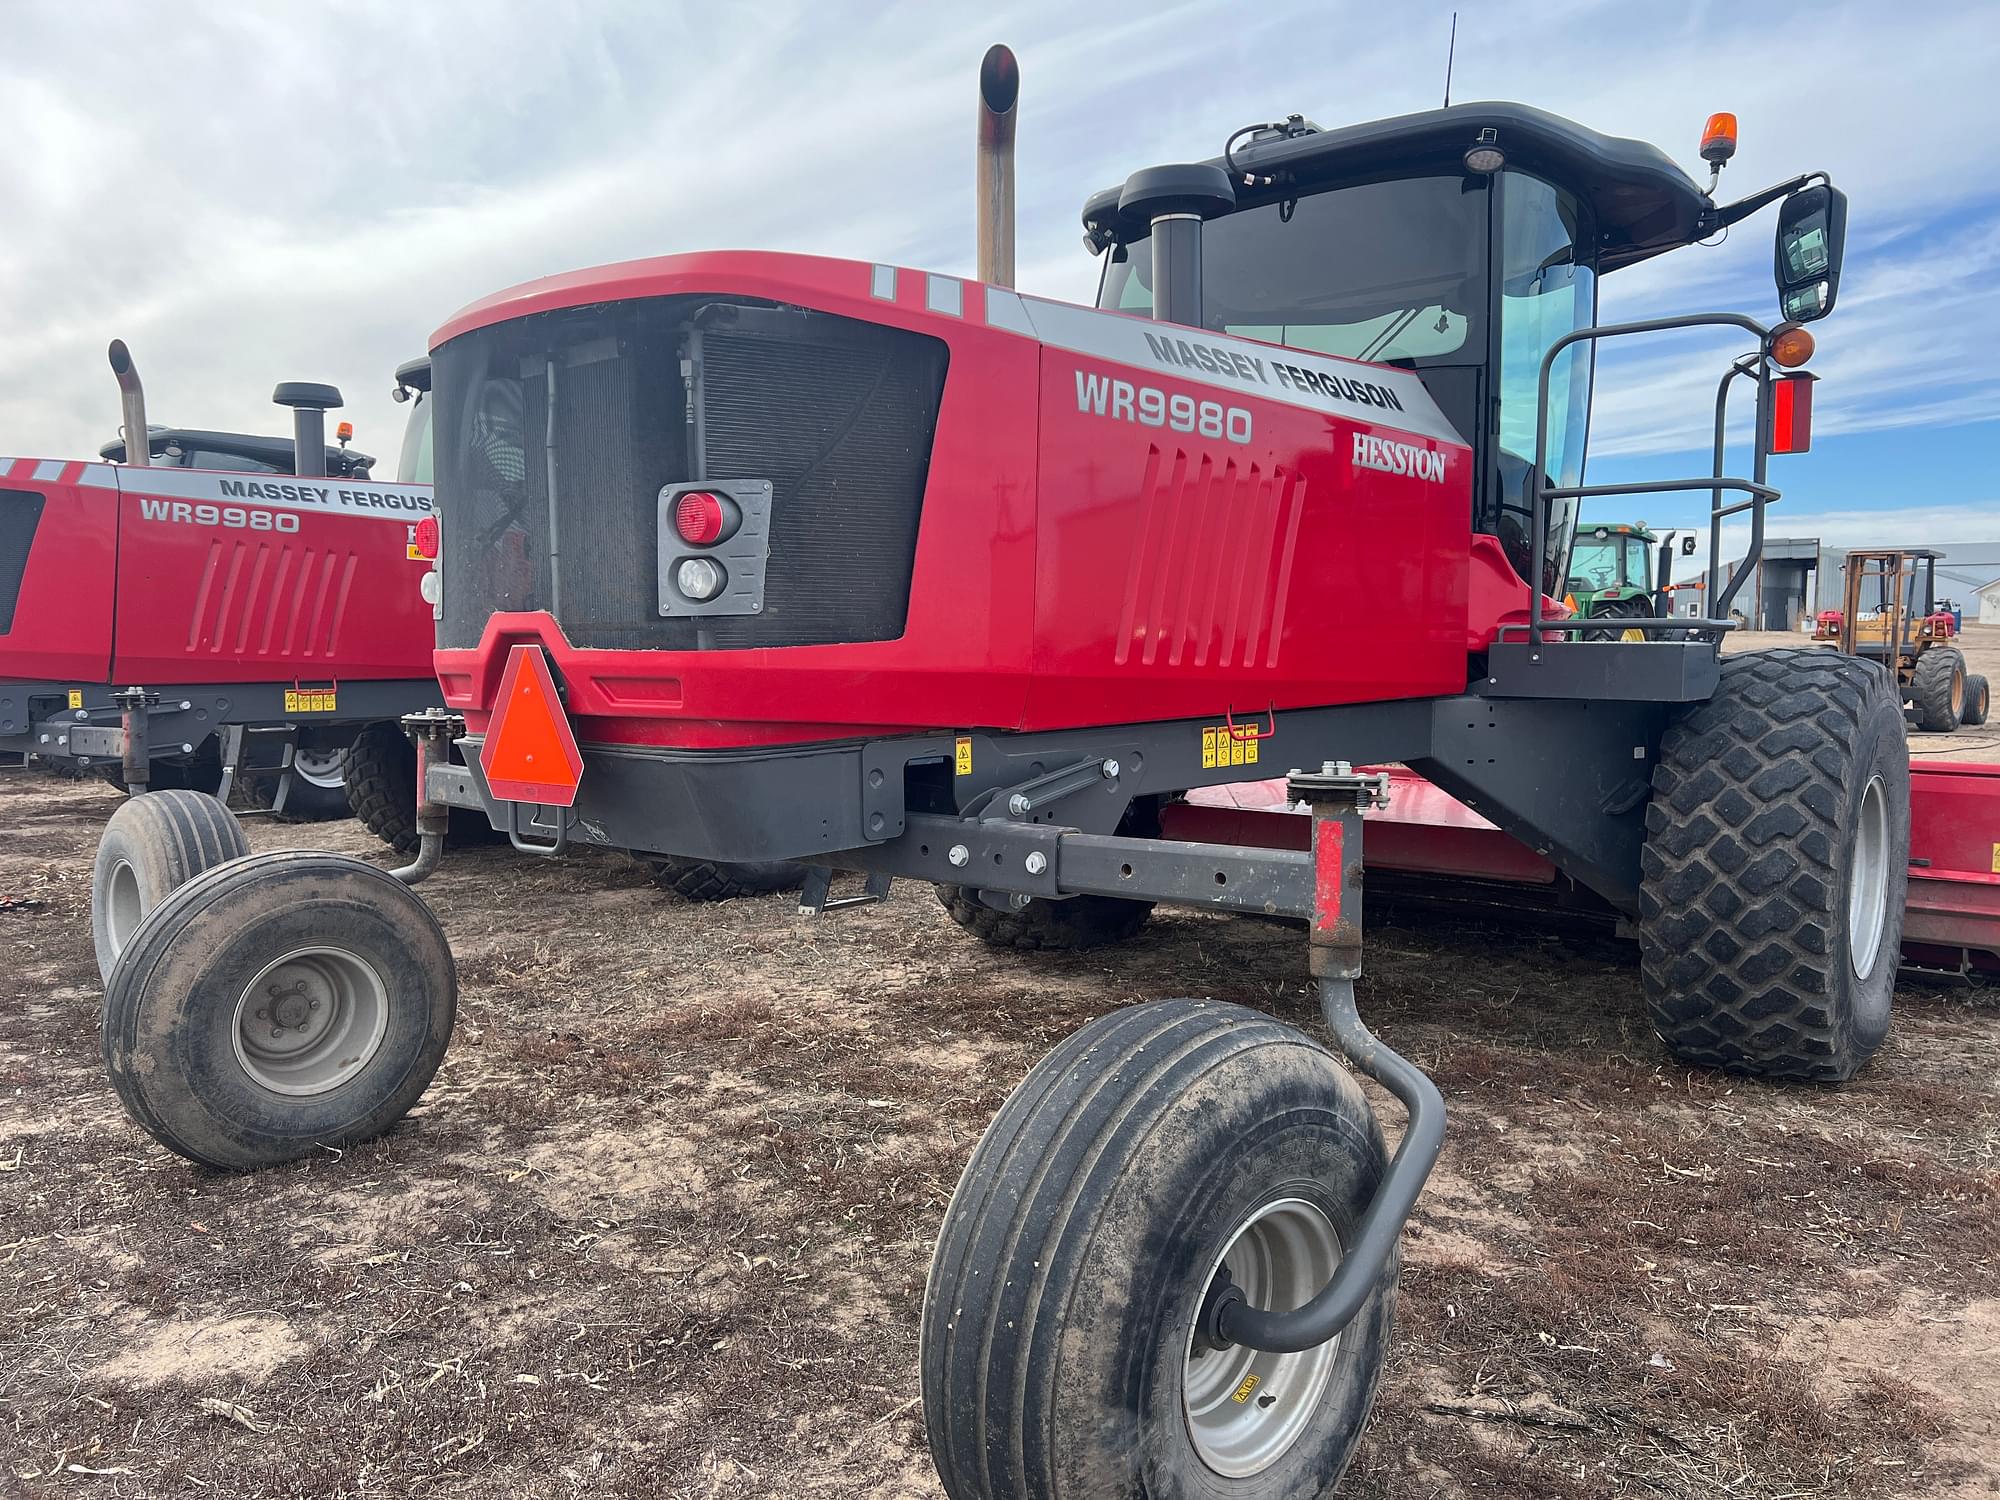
[{"x": 661, "y": 1226}]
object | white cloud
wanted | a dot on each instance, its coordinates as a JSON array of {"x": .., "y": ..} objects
[{"x": 252, "y": 194}]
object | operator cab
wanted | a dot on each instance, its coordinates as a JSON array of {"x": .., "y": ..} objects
[
  {"x": 413, "y": 384},
  {"x": 235, "y": 452},
  {"x": 1460, "y": 243}
]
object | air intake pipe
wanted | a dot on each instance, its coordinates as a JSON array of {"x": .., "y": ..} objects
[
  {"x": 999, "y": 93},
  {"x": 132, "y": 403},
  {"x": 309, "y": 403},
  {"x": 1174, "y": 201}
]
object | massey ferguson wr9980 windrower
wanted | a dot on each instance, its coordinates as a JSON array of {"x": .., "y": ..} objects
[
  {"x": 217, "y": 609},
  {"x": 754, "y": 556}
]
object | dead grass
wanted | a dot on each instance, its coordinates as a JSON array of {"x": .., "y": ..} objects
[{"x": 661, "y": 1227}]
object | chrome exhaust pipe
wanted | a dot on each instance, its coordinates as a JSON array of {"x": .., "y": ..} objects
[
  {"x": 999, "y": 93},
  {"x": 132, "y": 402}
]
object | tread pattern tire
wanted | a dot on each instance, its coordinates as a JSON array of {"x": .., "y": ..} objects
[
  {"x": 1977, "y": 700},
  {"x": 1073, "y": 1258},
  {"x": 1938, "y": 689},
  {"x": 381, "y": 776},
  {"x": 723, "y": 880},
  {"x": 1068, "y": 926},
  {"x": 152, "y": 846},
  {"x": 170, "y": 1008},
  {"x": 1751, "y": 837}
]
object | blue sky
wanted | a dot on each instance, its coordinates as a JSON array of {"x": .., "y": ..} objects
[{"x": 254, "y": 193}]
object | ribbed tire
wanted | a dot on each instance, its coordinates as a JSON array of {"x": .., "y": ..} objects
[
  {"x": 1077, "y": 1248},
  {"x": 236, "y": 1031},
  {"x": 151, "y": 847},
  {"x": 1938, "y": 689},
  {"x": 1976, "y": 696},
  {"x": 1774, "y": 869},
  {"x": 1047, "y": 926},
  {"x": 721, "y": 880}
]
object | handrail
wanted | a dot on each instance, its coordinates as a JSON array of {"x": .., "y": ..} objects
[{"x": 1760, "y": 493}]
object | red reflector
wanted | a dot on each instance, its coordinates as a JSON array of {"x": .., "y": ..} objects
[
  {"x": 1791, "y": 413},
  {"x": 700, "y": 518},
  {"x": 425, "y": 538},
  {"x": 530, "y": 753}
]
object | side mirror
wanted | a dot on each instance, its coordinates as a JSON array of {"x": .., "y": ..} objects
[
  {"x": 1812, "y": 231},
  {"x": 1687, "y": 545}
]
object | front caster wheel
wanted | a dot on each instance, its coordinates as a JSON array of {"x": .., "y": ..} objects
[
  {"x": 276, "y": 1005},
  {"x": 1156, "y": 1156},
  {"x": 152, "y": 846}
]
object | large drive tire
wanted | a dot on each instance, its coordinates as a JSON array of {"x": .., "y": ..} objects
[
  {"x": 381, "y": 775},
  {"x": 1937, "y": 688},
  {"x": 1773, "y": 874},
  {"x": 319, "y": 787},
  {"x": 1066, "y": 926},
  {"x": 152, "y": 846},
  {"x": 277, "y": 1005},
  {"x": 724, "y": 880},
  {"x": 1058, "y": 1353},
  {"x": 1976, "y": 700},
  {"x": 1618, "y": 610}
]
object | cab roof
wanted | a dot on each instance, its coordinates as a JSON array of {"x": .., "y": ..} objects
[{"x": 1644, "y": 203}]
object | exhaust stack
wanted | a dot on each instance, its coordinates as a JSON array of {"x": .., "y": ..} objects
[
  {"x": 309, "y": 403},
  {"x": 132, "y": 403},
  {"x": 993, "y": 192}
]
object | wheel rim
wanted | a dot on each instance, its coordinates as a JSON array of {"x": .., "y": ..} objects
[
  {"x": 1957, "y": 694},
  {"x": 327, "y": 768},
  {"x": 310, "y": 1021},
  {"x": 123, "y": 906},
  {"x": 1245, "y": 1407},
  {"x": 1868, "y": 881}
]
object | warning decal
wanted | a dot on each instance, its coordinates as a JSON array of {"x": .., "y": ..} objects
[{"x": 1222, "y": 745}]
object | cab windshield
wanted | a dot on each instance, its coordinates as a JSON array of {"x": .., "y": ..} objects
[
  {"x": 1385, "y": 271},
  {"x": 1609, "y": 562},
  {"x": 414, "y": 465}
]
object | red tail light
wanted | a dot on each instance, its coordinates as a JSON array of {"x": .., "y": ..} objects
[
  {"x": 1791, "y": 413},
  {"x": 426, "y": 538},
  {"x": 703, "y": 519}
]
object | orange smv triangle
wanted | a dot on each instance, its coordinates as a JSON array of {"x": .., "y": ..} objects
[{"x": 530, "y": 753}]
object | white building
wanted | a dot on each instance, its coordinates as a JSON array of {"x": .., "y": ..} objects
[{"x": 1988, "y": 595}]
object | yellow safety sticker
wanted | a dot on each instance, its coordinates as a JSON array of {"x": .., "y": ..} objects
[
  {"x": 1996, "y": 859},
  {"x": 75, "y": 698},
  {"x": 414, "y": 554},
  {"x": 1223, "y": 746},
  {"x": 1242, "y": 1392},
  {"x": 963, "y": 759},
  {"x": 309, "y": 700}
]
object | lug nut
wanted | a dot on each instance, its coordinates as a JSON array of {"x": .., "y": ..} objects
[
  {"x": 264, "y": 1015},
  {"x": 959, "y": 855},
  {"x": 314, "y": 1004},
  {"x": 1037, "y": 862},
  {"x": 277, "y": 1033}
]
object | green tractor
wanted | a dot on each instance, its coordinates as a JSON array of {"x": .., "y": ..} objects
[{"x": 1613, "y": 576}]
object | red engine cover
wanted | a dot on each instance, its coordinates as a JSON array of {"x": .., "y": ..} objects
[
  {"x": 165, "y": 575},
  {"x": 1124, "y": 521}
]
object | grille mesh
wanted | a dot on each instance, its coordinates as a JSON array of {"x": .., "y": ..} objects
[
  {"x": 838, "y": 414},
  {"x": 20, "y": 514}
]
